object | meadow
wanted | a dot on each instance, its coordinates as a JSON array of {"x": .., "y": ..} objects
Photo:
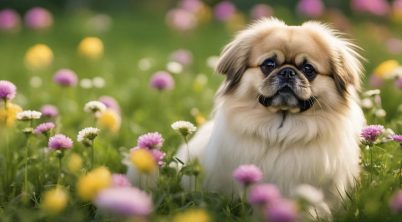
[{"x": 61, "y": 183}]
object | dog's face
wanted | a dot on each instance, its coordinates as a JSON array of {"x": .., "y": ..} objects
[{"x": 290, "y": 69}]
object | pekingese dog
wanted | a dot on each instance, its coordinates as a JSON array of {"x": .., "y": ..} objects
[{"x": 289, "y": 105}]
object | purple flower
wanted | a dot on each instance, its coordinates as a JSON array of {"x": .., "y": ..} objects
[
  {"x": 65, "y": 77},
  {"x": 281, "y": 210},
  {"x": 370, "y": 133},
  {"x": 162, "y": 81},
  {"x": 44, "y": 128},
  {"x": 182, "y": 56},
  {"x": 397, "y": 138},
  {"x": 398, "y": 83},
  {"x": 375, "y": 7},
  {"x": 60, "y": 142},
  {"x": 224, "y": 11},
  {"x": 247, "y": 174},
  {"x": 150, "y": 141},
  {"x": 394, "y": 45},
  {"x": 7, "y": 90},
  {"x": 9, "y": 20},
  {"x": 261, "y": 11},
  {"x": 49, "y": 111},
  {"x": 110, "y": 102},
  {"x": 310, "y": 8},
  {"x": 263, "y": 194},
  {"x": 158, "y": 156},
  {"x": 120, "y": 180},
  {"x": 181, "y": 19},
  {"x": 376, "y": 81},
  {"x": 191, "y": 5},
  {"x": 124, "y": 201},
  {"x": 38, "y": 18},
  {"x": 396, "y": 202}
]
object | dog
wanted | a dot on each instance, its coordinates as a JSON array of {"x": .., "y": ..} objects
[{"x": 289, "y": 104}]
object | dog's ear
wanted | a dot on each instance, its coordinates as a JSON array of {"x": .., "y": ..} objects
[
  {"x": 233, "y": 61},
  {"x": 345, "y": 61}
]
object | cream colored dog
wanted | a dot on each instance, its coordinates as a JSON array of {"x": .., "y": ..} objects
[{"x": 289, "y": 105}]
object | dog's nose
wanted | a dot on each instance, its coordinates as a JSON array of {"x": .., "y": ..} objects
[{"x": 287, "y": 73}]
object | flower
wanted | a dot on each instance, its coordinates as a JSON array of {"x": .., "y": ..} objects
[
  {"x": 395, "y": 202},
  {"x": 143, "y": 160},
  {"x": 397, "y": 138},
  {"x": 110, "y": 103},
  {"x": 394, "y": 45},
  {"x": 371, "y": 133},
  {"x": 181, "y": 19},
  {"x": 262, "y": 194},
  {"x": 124, "y": 201},
  {"x": 373, "y": 92},
  {"x": 375, "y": 7},
  {"x": 162, "y": 80},
  {"x": 224, "y": 10},
  {"x": 9, "y": 20},
  {"x": 184, "y": 128},
  {"x": 182, "y": 56},
  {"x": 55, "y": 200},
  {"x": 44, "y": 128},
  {"x": 398, "y": 83},
  {"x": 7, "y": 90},
  {"x": 310, "y": 8},
  {"x": 261, "y": 10},
  {"x": 384, "y": 70},
  {"x": 150, "y": 140},
  {"x": 38, "y": 57},
  {"x": 65, "y": 77},
  {"x": 9, "y": 115},
  {"x": 38, "y": 18},
  {"x": 247, "y": 174},
  {"x": 28, "y": 115},
  {"x": 91, "y": 47},
  {"x": 376, "y": 81},
  {"x": 74, "y": 163},
  {"x": 89, "y": 185},
  {"x": 380, "y": 113},
  {"x": 193, "y": 215},
  {"x": 281, "y": 210},
  {"x": 120, "y": 180},
  {"x": 49, "y": 111},
  {"x": 87, "y": 135},
  {"x": 60, "y": 142},
  {"x": 174, "y": 67},
  {"x": 109, "y": 119},
  {"x": 158, "y": 156},
  {"x": 309, "y": 193},
  {"x": 95, "y": 107}
]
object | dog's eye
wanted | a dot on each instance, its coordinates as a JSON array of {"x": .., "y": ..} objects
[
  {"x": 268, "y": 65},
  {"x": 309, "y": 71}
]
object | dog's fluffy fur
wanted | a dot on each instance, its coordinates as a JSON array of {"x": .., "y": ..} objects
[{"x": 318, "y": 146}]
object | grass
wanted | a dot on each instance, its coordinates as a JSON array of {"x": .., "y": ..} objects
[{"x": 131, "y": 38}]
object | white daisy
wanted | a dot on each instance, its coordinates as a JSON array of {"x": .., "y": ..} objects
[
  {"x": 372, "y": 92},
  {"x": 87, "y": 135},
  {"x": 184, "y": 128},
  {"x": 94, "y": 107},
  {"x": 28, "y": 115}
]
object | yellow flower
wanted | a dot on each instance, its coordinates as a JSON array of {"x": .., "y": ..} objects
[
  {"x": 143, "y": 160},
  {"x": 74, "y": 163},
  {"x": 194, "y": 215},
  {"x": 54, "y": 200},
  {"x": 89, "y": 185},
  {"x": 39, "y": 56},
  {"x": 8, "y": 116},
  {"x": 109, "y": 119},
  {"x": 384, "y": 70},
  {"x": 91, "y": 47},
  {"x": 200, "y": 119}
]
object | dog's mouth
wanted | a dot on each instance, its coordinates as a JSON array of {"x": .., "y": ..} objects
[{"x": 285, "y": 99}]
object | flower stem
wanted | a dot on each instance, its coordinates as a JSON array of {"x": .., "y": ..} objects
[
  {"x": 92, "y": 155},
  {"x": 60, "y": 155},
  {"x": 25, "y": 190},
  {"x": 371, "y": 164}
]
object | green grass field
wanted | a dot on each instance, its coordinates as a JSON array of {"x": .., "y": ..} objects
[{"x": 131, "y": 38}]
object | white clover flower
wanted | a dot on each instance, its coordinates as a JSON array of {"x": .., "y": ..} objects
[
  {"x": 184, "y": 128},
  {"x": 373, "y": 92},
  {"x": 94, "y": 107},
  {"x": 87, "y": 135},
  {"x": 366, "y": 103},
  {"x": 380, "y": 113},
  {"x": 86, "y": 83},
  {"x": 28, "y": 115},
  {"x": 309, "y": 193},
  {"x": 174, "y": 67},
  {"x": 98, "y": 82}
]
